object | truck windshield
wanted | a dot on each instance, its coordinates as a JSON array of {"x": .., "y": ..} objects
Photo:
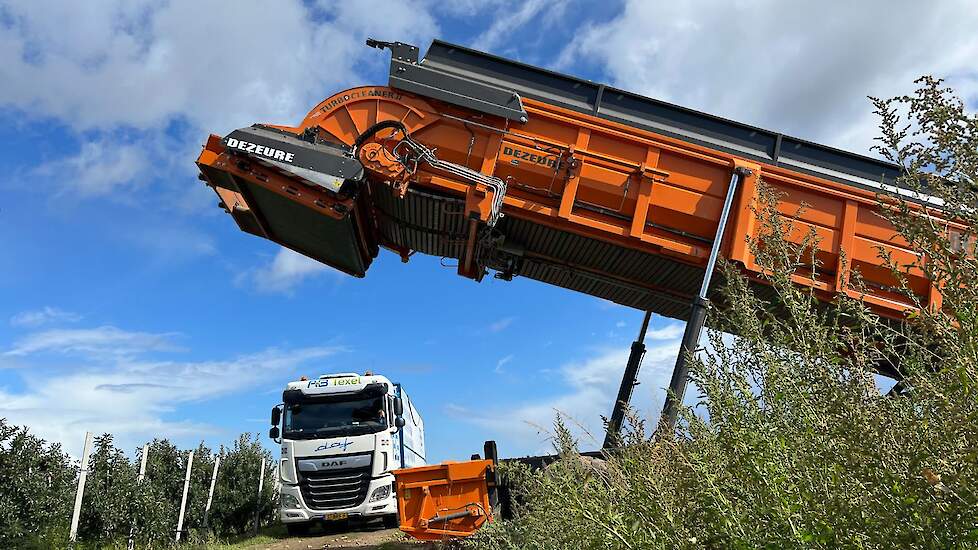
[{"x": 334, "y": 417}]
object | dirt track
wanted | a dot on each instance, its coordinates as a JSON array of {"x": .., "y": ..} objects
[{"x": 365, "y": 538}]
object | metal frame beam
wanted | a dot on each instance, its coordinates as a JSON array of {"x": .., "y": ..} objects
[
  {"x": 697, "y": 317},
  {"x": 628, "y": 382}
]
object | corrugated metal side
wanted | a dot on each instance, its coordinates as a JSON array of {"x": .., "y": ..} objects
[
  {"x": 610, "y": 258},
  {"x": 606, "y": 288},
  {"x": 428, "y": 223},
  {"x": 434, "y": 224},
  {"x": 603, "y": 269}
]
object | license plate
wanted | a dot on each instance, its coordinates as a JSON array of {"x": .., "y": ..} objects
[{"x": 336, "y": 517}]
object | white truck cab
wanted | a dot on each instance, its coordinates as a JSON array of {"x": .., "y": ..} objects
[{"x": 341, "y": 435}]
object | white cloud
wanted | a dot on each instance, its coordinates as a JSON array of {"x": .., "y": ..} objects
[
  {"x": 101, "y": 342},
  {"x": 287, "y": 270},
  {"x": 801, "y": 68},
  {"x": 589, "y": 389},
  {"x": 410, "y": 21},
  {"x": 142, "y": 83},
  {"x": 514, "y": 17},
  {"x": 99, "y": 168},
  {"x": 608, "y": 305},
  {"x": 503, "y": 362},
  {"x": 129, "y": 75},
  {"x": 501, "y": 324},
  {"x": 129, "y": 393},
  {"x": 43, "y": 316},
  {"x": 144, "y": 64},
  {"x": 467, "y": 8},
  {"x": 668, "y": 332}
]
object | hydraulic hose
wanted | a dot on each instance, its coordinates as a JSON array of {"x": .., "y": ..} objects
[
  {"x": 427, "y": 155},
  {"x": 369, "y": 132}
]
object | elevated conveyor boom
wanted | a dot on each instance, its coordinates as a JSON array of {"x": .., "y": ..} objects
[{"x": 521, "y": 171}]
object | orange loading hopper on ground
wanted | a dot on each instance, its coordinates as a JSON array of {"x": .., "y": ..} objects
[
  {"x": 451, "y": 499},
  {"x": 447, "y": 500}
]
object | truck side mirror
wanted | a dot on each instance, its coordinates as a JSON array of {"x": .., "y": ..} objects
[
  {"x": 273, "y": 433},
  {"x": 276, "y": 415},
  {"x": 399, "y": 413}
]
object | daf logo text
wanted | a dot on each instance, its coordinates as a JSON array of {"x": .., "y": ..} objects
[{"x": 341, "y": 445}]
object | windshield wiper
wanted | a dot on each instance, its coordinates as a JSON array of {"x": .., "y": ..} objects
[
  {"x": 348, "y": 430},
  {"x": 332, "y": 431},
  {"x": 299, "y": 435}
]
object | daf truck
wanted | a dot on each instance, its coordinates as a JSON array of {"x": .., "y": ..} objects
[{"x": 341, "y": 436}]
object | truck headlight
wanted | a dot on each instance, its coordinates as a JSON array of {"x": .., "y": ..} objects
[
  {"x": 380, "y": 493},
  {"x": 289, "y": 502}
]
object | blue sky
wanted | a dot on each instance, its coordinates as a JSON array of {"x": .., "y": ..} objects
[{"x": 130, "y": 304}]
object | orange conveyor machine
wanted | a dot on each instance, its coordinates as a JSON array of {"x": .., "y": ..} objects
[{"x": 518, "y": 171}]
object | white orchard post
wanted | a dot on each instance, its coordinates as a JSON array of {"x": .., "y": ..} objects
[
  {"x": 142, "y": 464},
  {"x": 261, "y": 484},
  {"x": 210, "y": 493},
  {"x": 186, "y": 488},
  {"x": 79, "y": 493}
]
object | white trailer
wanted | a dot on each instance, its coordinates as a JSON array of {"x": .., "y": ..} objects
[{"x": 341, "y": 436}]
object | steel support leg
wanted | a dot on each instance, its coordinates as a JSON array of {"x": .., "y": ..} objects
[
  {"x": 697, "y": 316},
  {"x": 628, "y": 382},
  {"x": 680, "y": 373}
]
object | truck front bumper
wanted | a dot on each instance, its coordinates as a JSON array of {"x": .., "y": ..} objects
[{"x": 289, "y": 513}]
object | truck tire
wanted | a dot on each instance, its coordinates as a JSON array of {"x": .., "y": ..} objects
[
  {"x": 297, "y": 529},
  {"x": 391, "y": 521}
]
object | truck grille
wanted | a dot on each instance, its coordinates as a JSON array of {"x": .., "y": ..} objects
[{"x": 335, "y": 489}]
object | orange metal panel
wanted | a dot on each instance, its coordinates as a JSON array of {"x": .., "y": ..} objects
[
  {"x": 846, "y": 245},
  {"x": 443, "y": 500},
  {"x": 744, "y": 220},
  {"x": 635, "y": 189}
]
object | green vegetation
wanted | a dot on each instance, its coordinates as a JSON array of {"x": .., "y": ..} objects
[
  {"x": 791, "y": 444},
  {"x": 265, "y": 538},
  {"x": 39, "y": 488}
]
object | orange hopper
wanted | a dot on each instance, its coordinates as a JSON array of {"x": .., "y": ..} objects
[{"x": 447, "y": 500}]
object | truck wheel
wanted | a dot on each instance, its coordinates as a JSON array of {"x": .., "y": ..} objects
[
  {"x": 391, "y": 521},
  {"x": 297, "y": 529}
]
